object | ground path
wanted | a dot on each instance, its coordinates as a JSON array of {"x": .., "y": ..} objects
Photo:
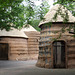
[{"x": 29, "y": 68}]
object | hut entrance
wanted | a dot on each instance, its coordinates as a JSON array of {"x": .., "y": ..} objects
[
  {"x": 3, "y": 51},
  {"x": 59, "y": 54}
]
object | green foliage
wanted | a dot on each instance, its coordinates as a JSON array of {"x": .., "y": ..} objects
[
  {"x": 70, "y": 5},
  {"x": 29, "y": 11},
  {"x": 44, "y": 7},
  {"x": 11, "y": 12},
  {"x": 55, "y": 39},
  {"x": 65, "y": 15},
  {"x": 63, "y": 29},
  {"x": 34, "y": 14},
  {"x": 35, "y": 24},
  {"x": 14, "y": 14}
]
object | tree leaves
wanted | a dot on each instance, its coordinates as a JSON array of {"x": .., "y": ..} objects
[
  {"x": 14, "y": 14},
  {"x": 70, "y": 5},
  {"x": 9, "y": 13}
]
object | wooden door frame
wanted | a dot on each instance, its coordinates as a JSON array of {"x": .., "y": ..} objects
[
  {"x": 7, "y": 50},
  {"x": 66, "y": 60}
]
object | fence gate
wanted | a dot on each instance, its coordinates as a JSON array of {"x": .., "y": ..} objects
[{"x": 3, "y": 51}]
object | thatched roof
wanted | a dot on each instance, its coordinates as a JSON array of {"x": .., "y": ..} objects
[
  {"x": 16, "y": 33},
  {"x": 13, "y": 33},
  {"x": 29, "y": 28},
  {"x": 50, "y": 15},
  {"x": 31, "y": 32}
]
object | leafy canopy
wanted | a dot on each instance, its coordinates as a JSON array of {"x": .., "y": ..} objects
[
  {"x": 14, "y": 14},
  {"x": 11, "y": 14}
]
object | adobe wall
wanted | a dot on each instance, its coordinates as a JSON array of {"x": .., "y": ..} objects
[
  {"x": 33, "y": 48},
  {"x": 47, "y": 36},
  {"x": 18, "y": 49},
  {"x": 33, "y": 44}
]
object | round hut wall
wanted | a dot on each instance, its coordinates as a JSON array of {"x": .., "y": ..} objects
[
  {"x": 46, "y": 48},
  {"x": 17, "y": 48}
]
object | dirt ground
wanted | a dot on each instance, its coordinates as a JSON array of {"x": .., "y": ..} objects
[{"x": 29, "y": 68}]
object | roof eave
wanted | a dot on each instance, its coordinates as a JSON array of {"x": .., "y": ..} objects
[{"x": 56, "y": 23}]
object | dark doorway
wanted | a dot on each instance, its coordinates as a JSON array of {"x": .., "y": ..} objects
[
  {"x": 3, "y": 51},
  {"x": 59, "y": 54}
]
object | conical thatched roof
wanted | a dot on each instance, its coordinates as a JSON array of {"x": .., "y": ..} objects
[
  {"x": 13, "y": 33},
  {"x": 51, "y": 13},
  {"x": 31, "y": 32},
  {"x": 17, "y": 33},
  {"x": 29, "y": 28}
]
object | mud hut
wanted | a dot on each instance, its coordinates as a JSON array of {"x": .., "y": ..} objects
[
  {"x": 56, "y": 51},
  {"x": 33, "y": 42},
  {"x": 14, "y": 45}
]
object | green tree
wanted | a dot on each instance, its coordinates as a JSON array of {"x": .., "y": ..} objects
[
  {"x": 43, "y": 8},
  {"x": 14, "y": 14},
  {"x": 29, "y": 11},
  {"x": 40, "y": 12},
  {"x": 11, "y": 12},
  {"x": 34, "y": 14}
]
